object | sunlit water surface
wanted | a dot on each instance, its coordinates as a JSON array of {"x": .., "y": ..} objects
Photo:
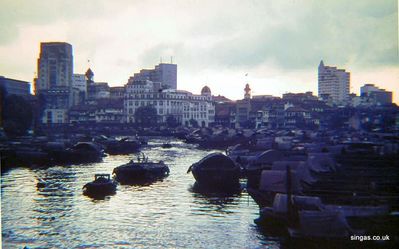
[{"x": 165, "y": 214}]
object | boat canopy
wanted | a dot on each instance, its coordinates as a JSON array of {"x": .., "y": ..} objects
[
  {"x": 87, "y": 146},
  {"x": 276, "y": 181},
  {"x": 300, "y": 167},
  {"x": 268, "y": 157},
  {"x": 216, "y": 160}
]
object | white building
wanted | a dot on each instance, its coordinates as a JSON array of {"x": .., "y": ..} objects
[
  {"x": 334, "y": 82},
  {"x": 373, "y": 95},
  {"x": 182, "y": 105}
]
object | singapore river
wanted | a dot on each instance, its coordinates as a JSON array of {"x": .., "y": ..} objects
[{"x": 165, "y": 214}]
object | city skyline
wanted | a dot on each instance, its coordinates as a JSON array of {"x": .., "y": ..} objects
[{"x": 276, "y": 44}]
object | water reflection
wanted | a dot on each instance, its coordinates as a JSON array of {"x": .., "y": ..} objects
[{"x": 165, "y": 214}]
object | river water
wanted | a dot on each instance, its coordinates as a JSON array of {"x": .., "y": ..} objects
[{"x": 165, "y": 214}]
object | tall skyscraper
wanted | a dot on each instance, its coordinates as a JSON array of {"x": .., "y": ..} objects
[
  {"x": 54, "y": 66},
  {"x": 55, "y": 80},
  {"x": 334, "y": 82}
]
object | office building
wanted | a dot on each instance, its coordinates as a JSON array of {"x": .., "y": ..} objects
[
  {"x": 163, "y": 73},
  {"x": 55, "y": 80}
]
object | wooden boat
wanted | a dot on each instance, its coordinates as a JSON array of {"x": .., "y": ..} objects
[
  {"x": 216, "y": 170},
  {"x": 101, "y": 186},
  {"x": 141, "y": 171},
  {"x": 82, "y": 152},
  {"x": 119, "y": 147}
]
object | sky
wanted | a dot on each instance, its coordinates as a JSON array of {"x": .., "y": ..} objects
[{"x": 278, "y": 44}]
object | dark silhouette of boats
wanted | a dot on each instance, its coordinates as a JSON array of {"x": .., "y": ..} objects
[
  {"x": 119, "y": 147},
  {"x": 101, "y": 186},
  {"x": 216, "y": 170},
  {"x": 82, "y": 152},
  {"x": 141, "y": 171}
]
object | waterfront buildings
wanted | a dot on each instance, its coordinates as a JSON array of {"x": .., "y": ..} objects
[
  {"x": 16, "y": 87},
  {"x": 77, "y": 98},
  {"x": 185, "y": 107},
  {"x": 333, "y": 82}
]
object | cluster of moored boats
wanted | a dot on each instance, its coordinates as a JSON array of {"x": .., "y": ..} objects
[
  {"x": 307, "y": 184},
  {"x": 42, "y": 151},
  {"x": 215, "y": 172},
  {"x": 322, "y": 189},
  {"x": 141, "y": 171}
]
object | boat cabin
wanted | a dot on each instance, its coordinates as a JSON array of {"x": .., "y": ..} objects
[{"x": 104, "y": 176}]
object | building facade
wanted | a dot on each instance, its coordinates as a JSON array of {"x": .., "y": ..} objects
[
  {"x": 79, "y": 88},
  {"x": 16, "y": 87},
  {"x": 55, "y": 80},
  {"x": 163, "y": 73},
  {"x": 185, "y": 107},
  {"x": 375, "y": 96},
  {"x": 334, "y": 82}
]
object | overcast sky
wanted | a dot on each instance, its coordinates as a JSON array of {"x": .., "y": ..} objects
[{"x": 215, "y": 43}]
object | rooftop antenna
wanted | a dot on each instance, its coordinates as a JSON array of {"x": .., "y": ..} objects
[
  {"x": 161, "y": 59},
  {"x": 171, "y": 60}
]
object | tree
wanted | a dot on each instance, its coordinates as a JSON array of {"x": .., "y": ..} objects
[
  {"x": 17, "y": 115},
  {"x": 171, "y": 121},
  {"x": 146, "y": 116}
]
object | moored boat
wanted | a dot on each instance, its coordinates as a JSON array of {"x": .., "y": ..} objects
[
  {"x": 140, "y": 171},
  {"x": 101, "y": 186},
  {"x": 82, "y": 152},
  {"x": 216, "y": 170}
]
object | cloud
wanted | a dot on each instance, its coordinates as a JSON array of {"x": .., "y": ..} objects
[
  {"x": 292, "y": 35},
  {"x": 207, "y": 39},
  {"x": 14, "y": 14}
]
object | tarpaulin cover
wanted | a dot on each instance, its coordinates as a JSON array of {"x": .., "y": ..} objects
[
  {"x": 276, "y": 181},
  {"x": 300, "y": 167},
  {"x": 321, "y": 162},
  {"x": 269, "y": 156}
]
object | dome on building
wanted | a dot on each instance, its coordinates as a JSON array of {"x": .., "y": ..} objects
[{"x": 205, "y": 90}]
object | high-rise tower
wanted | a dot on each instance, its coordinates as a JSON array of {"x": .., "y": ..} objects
[
  {"x": 54, "y": 81},
  {"x": 54, "y": 66},
  {"x": 333, "y": 82}
]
